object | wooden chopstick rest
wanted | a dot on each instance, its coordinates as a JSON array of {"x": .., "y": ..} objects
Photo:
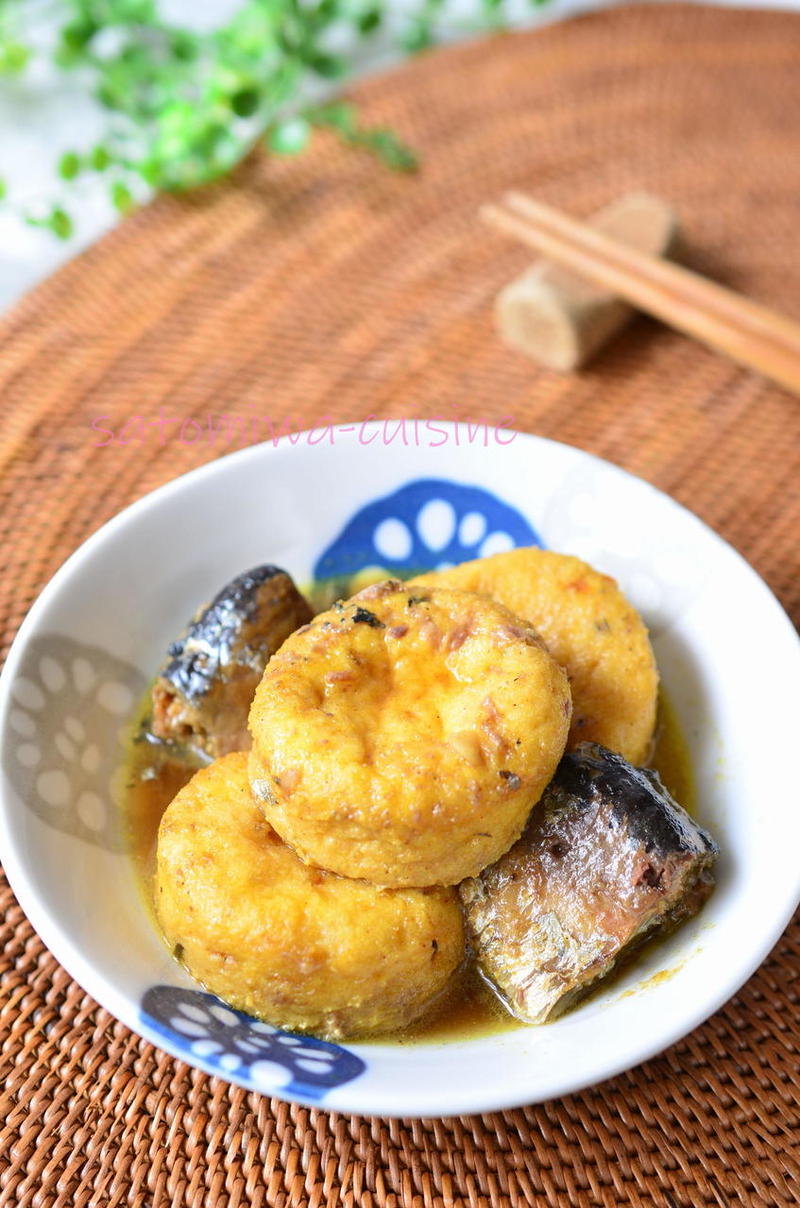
[{"x": 559, "y": 318}]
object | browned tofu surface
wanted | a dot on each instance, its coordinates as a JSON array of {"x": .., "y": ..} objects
[
  {"x": 404, "y": 736},
  {"x": 294, "y": 945},
  {"x": 590, "y": 629}
]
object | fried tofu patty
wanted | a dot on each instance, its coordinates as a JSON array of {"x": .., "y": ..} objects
[
  {"x": 589, "y": 628},
  {"x": 296, "y": 946},
  {"x": 404, "y": 736}
]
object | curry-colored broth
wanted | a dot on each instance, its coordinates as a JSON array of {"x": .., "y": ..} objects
[{"x": 471, "y": 1008}]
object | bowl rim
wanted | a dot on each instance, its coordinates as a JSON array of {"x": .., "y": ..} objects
[{"x": 95, "y": 983}]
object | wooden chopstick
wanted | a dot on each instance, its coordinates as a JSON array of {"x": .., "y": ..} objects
[{"x": 726, "y": 321}]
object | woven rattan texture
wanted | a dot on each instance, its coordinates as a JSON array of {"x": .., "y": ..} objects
[{"x": 326, "y": 286}]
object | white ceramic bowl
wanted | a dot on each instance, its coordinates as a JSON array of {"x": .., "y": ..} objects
[{"x": 330, "y": 503}]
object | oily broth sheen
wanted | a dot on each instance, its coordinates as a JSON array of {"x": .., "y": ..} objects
[{"x": 471, "y": 1009}]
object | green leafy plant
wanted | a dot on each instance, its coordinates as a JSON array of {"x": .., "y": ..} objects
[{"x": 184, "y": 107}]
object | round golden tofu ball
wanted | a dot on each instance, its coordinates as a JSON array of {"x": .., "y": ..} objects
[
  {"x": 404, "y": 736},
  {"x": 296, "y": 946},
  {"x": 589, "y": 628}
]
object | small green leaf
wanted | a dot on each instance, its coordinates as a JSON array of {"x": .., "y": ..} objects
[
  {"x": 245, "y": 102},
  {"x": 58, "y": 221},
  {"x": 289, "y": 137},
  {"x": 99, "y": 159},
  {"x": 13, "y": 58},
  {"x": 184, "y": 45},
  {"x": 121, "y": 197},
  {"x": 328, "y": 66},
  {"x": 370, "y": 20},
  {"x": 69, "y": 165},
  {"x": 150, "y": 171},
  {"x": 61, "y": 223},
  {"x": 327, "y": 11},
  {"x": 77, "y": 35},
  {"x": 2, "y": 188}
]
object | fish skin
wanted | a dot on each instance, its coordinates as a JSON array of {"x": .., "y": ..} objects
[
  {"x": 203, "y": 691},
  {"x": 607, "y": 859}
]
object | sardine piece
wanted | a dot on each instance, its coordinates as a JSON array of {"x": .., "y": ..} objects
[
  {"x": 203, "y": 692},
  {"x": 607, "y": 858}
]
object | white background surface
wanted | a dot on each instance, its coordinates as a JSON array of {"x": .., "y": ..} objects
[{"x": 46, "y": 113}]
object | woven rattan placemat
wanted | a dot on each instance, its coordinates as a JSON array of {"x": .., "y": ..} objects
[{"x": 328, "y": 286}]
